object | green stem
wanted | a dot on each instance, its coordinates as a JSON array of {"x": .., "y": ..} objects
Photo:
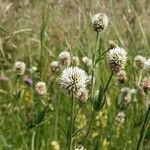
[
  {"x": 71, "y": 123},
  {"x": 143, "y": 130},
  {"x": 92, "y": 86},
  {"x": 89, "y": 128},
  {"x": 140, "y": 77},
  {"x": 93, "y": 112},
  {"x": 94, "y": 63}
]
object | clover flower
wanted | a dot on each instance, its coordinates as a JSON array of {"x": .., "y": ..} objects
[
  {"x": 126, "y": 95},
  {"x": 54, "y": 66},
  {"x": 73, "y": 78},
  {"x": 79, "y": 147},
  {"x": 120, "y": 118},
  {"x": 145, "y": 85},
  {"x": 99, "y": 22},
  {"x": 82, "y": 94},
  {"x": 40, "y": 88},
  {"x": 121, "y": 76},
  {"x": 117, "y": 58},
  {"x": 65, "y": 58},
  {"x": 139, "y": 61},
  {"x": 19, "y": 67}
]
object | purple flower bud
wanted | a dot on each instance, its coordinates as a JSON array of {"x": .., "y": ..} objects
[{"x": 28, "y": 81}]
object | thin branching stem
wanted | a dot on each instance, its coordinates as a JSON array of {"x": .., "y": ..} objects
[{"x": 143, "y": 130}]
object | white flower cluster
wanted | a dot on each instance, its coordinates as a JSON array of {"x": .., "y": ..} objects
[
  {"x": 117, "y": 58},
  {"x": 40, "y": 88},
  {"x": 75, "y": 80},
  {"x": 19, "y": 67},
  {"x": 99, "y": 22},
  {"x": 120, "y": 118}
]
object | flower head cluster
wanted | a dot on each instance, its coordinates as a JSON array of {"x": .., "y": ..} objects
[
  {"x": 121, "y": 76},
  {"x": 19, "y": 67},
  {"x": 139, "y": 61},
  {"x": 145, "y": 85},
  {"x": 117, "y": 58},
  {"x": 73, "y": 79},
  {"x": 126, "y": 95},
  {"x": 87, "y": 61},
  {"x": 99, "y": 22},
  {"x": 54, "y": 66},
  {"x": 120, "y": 118},
  {"x": 147, "y": 65},
  {"x": 79, "y": 147},
  {"x": 82, "y": 94},
  {"x": 40, "y": 88},
  {"x": 65, "y": 58}
]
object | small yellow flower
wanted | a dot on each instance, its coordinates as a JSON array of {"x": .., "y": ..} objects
[
  {"x": 55, "y": 145},
  {"x": 27, "y": 97},
  {"x": 105, "y": 144}
]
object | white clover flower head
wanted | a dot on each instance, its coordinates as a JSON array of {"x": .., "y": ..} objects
[
  {"x": 75, "y": 60},
  {"x": 121, "y": 76},
  {"x": 87, "y": 61},
  {"x": 79, "y": 147},
  {"x": 73, "y": 78},
  {"x": 120, "y": 118},
  {"x": 55, "y": 145},
  {"x": 82, "y": 94},
  {"x": 19, "y": 67},
  {"x": 139, "y": 61},
  {"x": 65, "y": 58},
  {"x": 99, "y": 22},
  {"x": 147, "y": 65},
  {"x": 40, "y": 88},
  {"x": 117, "y": 58},
  {"x": 54, "y": 65},
  {"x": 126, "y": 95}
]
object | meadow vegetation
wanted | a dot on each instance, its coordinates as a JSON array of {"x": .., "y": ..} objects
[{"x": 74, "y": 75}]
